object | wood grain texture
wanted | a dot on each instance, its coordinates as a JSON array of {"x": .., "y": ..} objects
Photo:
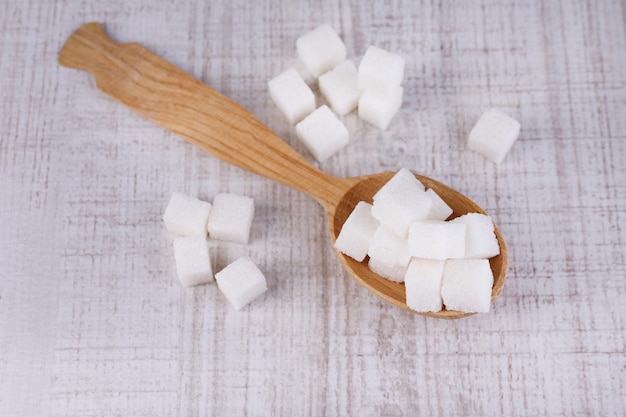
[{"x": 93, "y": 322}]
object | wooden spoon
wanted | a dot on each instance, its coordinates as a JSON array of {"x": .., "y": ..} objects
[{"x": 182, "y": 104}]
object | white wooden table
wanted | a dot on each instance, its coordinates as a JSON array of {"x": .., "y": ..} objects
[{"x": 94, "y": 323}]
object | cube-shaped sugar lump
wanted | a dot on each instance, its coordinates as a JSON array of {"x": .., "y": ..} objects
[
  {"x": 193, "y": 263},
  {"x": 387, "y": 270},
  {"x": 494, "y": 135},
  {"x": 241, "y": 282},
  {"x": 440, "y": 210},
  {"x": 380, "y": 71},
  {"x": 231, "y": 218},
  {"x": 423, "y": 285},
  {"x": 340, "y": 87},
  {"x": 322, "y": 133},
  {"x": 320, "y": 49},
  {"x": 389, "y": 254},
  {"x": 400, "y": 202},
  {"x": 466, "y": 285},
  {"x": 480, "y": 241},
  {"x": 433, "y": 239},
  {"x": 379, "y": 110},
  {"x": 291, "y": 95},
  {"x": 186, "y": 215},
  {"x": 357, "y": 231}
]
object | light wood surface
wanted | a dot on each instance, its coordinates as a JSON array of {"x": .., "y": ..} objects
[
  {"x": 93, "y": 321},
  {"x": 180, "y": 103}
]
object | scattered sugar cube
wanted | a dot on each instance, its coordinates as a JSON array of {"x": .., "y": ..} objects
[
  {"x": 241, "y": 282},
  {"x": 481, "y": 241},
  {"x": 378, "y": 109},
  {"x": 292, "y": 96},
  {"x": 440, "y": 210},
  {"x": 433, "y": 239},
  {"x": 340, "y": 87},
  {"x": 231, "y": 218},
  {"x": 494, "y": 135},
  {"x": 423, "y": 285},
  {"x": 320, "y": 49},
  {"x": 322, "y": 133},
  {"x": 389, "y": 254},
  {"x": 400, "y": 202},
  {"x": 193, "y": 264},
  {"x": 381, "y": 71},
  {"x": 357, "y": 231},
  {"x": 186, "y": 215},
  {"x": 466, "y": 285}
]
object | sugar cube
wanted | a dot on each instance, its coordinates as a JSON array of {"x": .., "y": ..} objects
[
  {"x": 389, "y": 254},
  {"x": 322, "y": 133},
  {"x": 401, "y": 179},
  {"x": 340, "y": 87},
  {"x": 400, "y": 202},
  {"x": 387, "y": 270},
  {"x": 379, "y": 110},
  {"x": 433, "y": 239},
  {"x": 320, "y": 49},
  {"x": 423, "y": 284},
  {"x": 481, "y": 241},
  {"x": 357, "y": 231},
  {"x": 292, "y": 96},
  {"x": 241, "y": 282},
  {"x": 466, "y": 285},
  {"x": 381, "y": 71},
  {"x": 231, "y": 218},
  {"x": 193, "y": 264},
  {"x": 440, "y": 210},
  {"x": 186, "y": 215},
  {"x": 494, "y": 135}
]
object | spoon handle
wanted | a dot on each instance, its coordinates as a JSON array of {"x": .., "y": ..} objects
[{"x": 167, "y": 95}]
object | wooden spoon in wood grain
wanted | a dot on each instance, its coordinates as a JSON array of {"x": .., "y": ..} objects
[{"x": 182, "y": 104}]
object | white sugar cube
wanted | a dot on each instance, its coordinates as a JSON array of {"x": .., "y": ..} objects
[
  {"x": 402, "y": 178},
  {"x": 241, "y": 282},
  {"x": 388, "y": 270},
  {"x": 231, "y": 218},
  {"x": 340, "y": 87},
  {"x": 186, "y": 215},
  {"x": 423, "y": 285},
  {"x": 400, "y": 202},
  {"x": 466, "y": 285},
  {"x": 291, "y": 95},
  {"x": 380, "y": 71},
  {"x": 357, "y": 231},
  {"x": 320, "y": 49},
  {"x": 322, "y": 133},
  {"x": 494, "y": 135},
  {"x": 440, "y": 210},
  {"x": 481, "y": 241},
  {"x": 378, "y": 109},
  {"x": 389, "y": 254},
  {"x": 432, "y": 239},
  {"x": 193, "y": 264}
]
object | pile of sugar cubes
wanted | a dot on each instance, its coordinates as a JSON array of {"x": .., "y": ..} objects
[
  {"x": 408, "y": 239},
  {"x": 375, "y": 88},
  {"x": 229, "y": 218}
]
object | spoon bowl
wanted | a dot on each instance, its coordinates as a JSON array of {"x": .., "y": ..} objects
[
  {"x": 167, "y": 95},
  {"x": 363, "y": 190}
]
